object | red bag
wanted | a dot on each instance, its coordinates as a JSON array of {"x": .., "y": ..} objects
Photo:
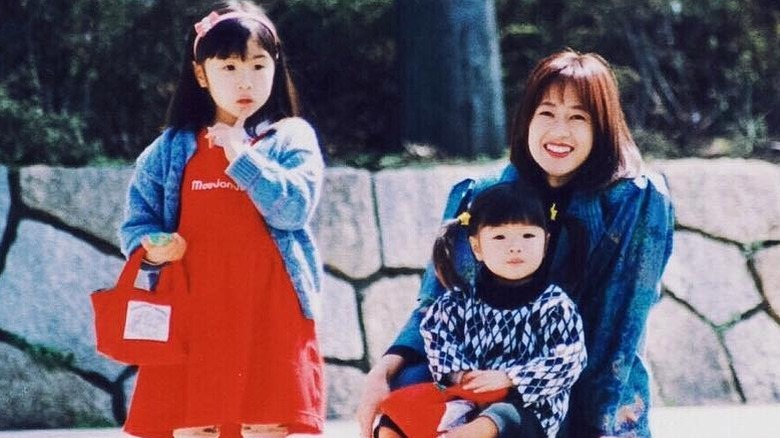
[
  {"x": 418, "y": 409},
  {"x": 140, "y": 327}
]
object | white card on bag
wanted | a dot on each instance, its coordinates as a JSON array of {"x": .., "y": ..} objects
[{"x": 147, "y": 322}]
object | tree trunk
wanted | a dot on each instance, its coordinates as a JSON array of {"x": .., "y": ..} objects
[{"x": 451, "y": 76}]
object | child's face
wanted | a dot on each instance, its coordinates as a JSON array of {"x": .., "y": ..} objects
[
  {"x": 560, "y": 135},
  {"x": 511, "y": 251},
  {"x": 239, "y": 87}
]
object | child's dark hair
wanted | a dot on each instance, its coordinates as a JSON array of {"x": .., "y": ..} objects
[
  {"x": 192, "y": 107},
  {"x": 501, "y": 204}
]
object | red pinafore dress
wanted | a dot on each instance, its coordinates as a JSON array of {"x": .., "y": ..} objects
[{"x": 253, "y": 357}]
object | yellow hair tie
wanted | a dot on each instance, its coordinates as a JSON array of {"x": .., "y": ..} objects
[{"x": 464, "y": 218}]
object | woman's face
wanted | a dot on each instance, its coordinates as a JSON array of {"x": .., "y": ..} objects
[
  {"x": 560, "y": 135},
  {"x": 239, "y": 87}
]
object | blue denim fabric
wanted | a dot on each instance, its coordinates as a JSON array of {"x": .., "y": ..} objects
[
  {"x": 629, "y": 225},
  {"x": 282, "y": 174}
]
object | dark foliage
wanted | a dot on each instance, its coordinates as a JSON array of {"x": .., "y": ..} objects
[{"x": 88, "y": 80}]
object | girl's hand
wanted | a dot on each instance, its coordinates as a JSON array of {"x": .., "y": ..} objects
[
  {"x": 162, "y": 248},
  {"x": 485, "y": 381},
  {"x": 233, "y": 139}
]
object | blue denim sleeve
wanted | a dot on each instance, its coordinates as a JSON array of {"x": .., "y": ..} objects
[
  {"x": 144, "y": 200},
  {"x": 623, "y": 275},
  {"x": 283, "y": 174}
]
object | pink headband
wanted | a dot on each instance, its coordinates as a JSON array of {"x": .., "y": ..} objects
[{"x": 207, "y": 23}]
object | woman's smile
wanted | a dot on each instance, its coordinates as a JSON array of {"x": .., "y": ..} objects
[
  {"x": 558, "y": 150},
  {"x": 560, "y": 135}
]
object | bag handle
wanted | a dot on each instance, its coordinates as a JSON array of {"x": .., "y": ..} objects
[
  {"x": 174, "y": 272},
  {"x": 130, "y": 271}
]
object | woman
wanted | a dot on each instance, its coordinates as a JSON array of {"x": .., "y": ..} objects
[{"x": 570, "y": 139}]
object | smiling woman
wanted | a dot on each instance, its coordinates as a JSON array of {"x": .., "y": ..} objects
[{"x": 570, "y": 140}]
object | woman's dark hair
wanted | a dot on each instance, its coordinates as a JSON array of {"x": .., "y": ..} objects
[
  {"x": 192, "y": 107},
  {"x": 501, "y": 204},
  {"x": 614, "y": 154}
]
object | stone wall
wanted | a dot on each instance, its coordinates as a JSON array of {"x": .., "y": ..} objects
[{"x": 712, "y": 338}]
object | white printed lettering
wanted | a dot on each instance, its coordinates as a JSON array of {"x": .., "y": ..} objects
[{"x": 219, "y": 184}]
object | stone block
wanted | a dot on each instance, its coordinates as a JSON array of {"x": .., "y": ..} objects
[
  {"x": 345, "y": 223},
  {"x": 34, "y": 397},
  {"x": 711, "y": 276},
  {"x": 338, "y": 327},
  {"x": 345, "y": 384},
  {"x": 755, "y": 354},
  {"x": 688, "y": 363},
  {"x": 767, "y": 263},
  {"x": 410, "y": 202},
  {"x": 45, "y": 288},
  {"x": 90, "y": 199},
  {"x": 387, "y": 305},
  {"x": 731, "y": 198}
]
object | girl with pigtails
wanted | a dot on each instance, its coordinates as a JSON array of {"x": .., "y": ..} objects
[{"x": 509, "y": 341}]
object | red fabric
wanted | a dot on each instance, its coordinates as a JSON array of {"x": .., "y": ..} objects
[
  {"x": 253, "y": 357},
  {"x": 111, "y": 309},
  {"x": 418, "y": 409}
]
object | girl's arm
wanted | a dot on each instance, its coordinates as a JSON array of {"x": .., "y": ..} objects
[
  {"x": 443, "y": 333},
  {"x": 144, "y": 200},
  {"x": 282, "y": 174},
  {"x": 563, "y": 355}
]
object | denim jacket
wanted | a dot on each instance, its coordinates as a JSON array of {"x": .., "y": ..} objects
[
  {"x": 282, "y": 174},
  {"x": 629, "y": 228}
]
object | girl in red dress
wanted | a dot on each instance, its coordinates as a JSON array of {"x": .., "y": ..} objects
[{"x": 230, "y": 186}]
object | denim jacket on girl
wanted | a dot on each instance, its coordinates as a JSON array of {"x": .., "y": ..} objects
[
  {"x": 282, "y": 174},
  {"x": 629, "y": 228}
]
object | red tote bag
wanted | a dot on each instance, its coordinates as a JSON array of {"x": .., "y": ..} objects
[
  {"x": 140, "y": 327},
  {"x": 418, "y": 409}
]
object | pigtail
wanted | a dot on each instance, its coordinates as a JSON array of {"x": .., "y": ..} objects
[{"x": 443, "y": 256}]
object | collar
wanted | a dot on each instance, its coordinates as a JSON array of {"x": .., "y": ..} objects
[{"x": 503, "y": 294}]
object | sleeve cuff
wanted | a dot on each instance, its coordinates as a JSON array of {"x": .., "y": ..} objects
[{"x": 410, "y": 355}]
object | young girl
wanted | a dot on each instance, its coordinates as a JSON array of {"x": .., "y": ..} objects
[
  {"x": 511, "y": 330},
  {"x": 228, "y": 190}
]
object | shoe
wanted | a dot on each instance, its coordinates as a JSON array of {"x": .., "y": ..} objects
[
  {"x": 197, "y": 432},
  {"x": 263, "y": 431}
]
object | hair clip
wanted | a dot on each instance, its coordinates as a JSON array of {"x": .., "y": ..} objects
[
  {"x": 464, "y": 218},
  {"x": 206, "y": 24}
]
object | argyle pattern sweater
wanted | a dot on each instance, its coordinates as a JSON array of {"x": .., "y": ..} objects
[{"x": 539, "y": 345}]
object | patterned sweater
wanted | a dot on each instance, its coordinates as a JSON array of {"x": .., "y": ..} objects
[{"x": 539, "y": 345}]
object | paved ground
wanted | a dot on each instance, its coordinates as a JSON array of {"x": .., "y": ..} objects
[{"x": 686, "y": 422}]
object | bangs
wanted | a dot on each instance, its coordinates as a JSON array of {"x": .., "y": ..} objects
[
  {"x": 588, "y": 88},
  {"x": 498, "y": 217},
  {"x": 230, "y": 37},
  {"x": 507, "y": 204}
]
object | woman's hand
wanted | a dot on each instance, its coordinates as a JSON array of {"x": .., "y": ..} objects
[
  {"x": 375, "y": 390},
  {"x": 162, "y": 248},
  {"x": 233, "y": 139},
  {"x": 485, "y": 380}
]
